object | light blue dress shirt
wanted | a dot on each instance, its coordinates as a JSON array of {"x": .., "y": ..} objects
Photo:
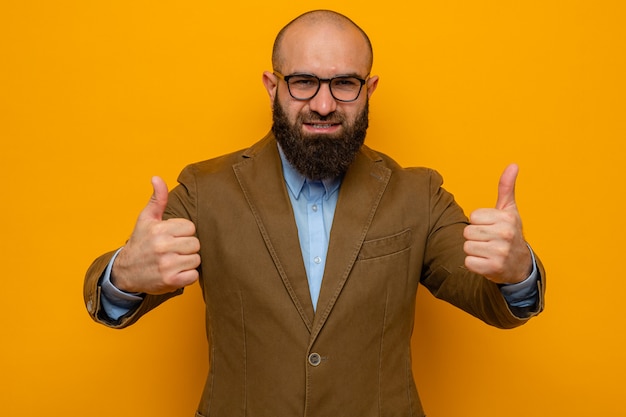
[{"x": 314, "y": 204}]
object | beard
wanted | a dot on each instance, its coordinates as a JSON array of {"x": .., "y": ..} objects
[{"x": 319, "y": 156}]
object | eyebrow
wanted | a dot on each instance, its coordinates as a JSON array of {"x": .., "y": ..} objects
[{"x": 346, "y": 74}]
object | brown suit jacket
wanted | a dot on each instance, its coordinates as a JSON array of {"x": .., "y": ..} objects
[{"x": 270, "y": 353}]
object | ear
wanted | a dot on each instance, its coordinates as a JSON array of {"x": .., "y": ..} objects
[
  {"x": 270, "y": 81},
  {"x": 372, "y": 83}
]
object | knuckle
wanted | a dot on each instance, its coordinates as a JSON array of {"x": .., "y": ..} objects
[
  {"x": 164, "y": 265},
  {"x": 158, "y": 228},
  {"x": 500, "y": 254},
  {"x": 171, "y": 280},
  {"x": 497, "y": 267},
  {"x": 160, "y": 247},
  {"x": 508, "y": 234}
]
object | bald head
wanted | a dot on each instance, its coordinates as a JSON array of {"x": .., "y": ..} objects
[{"x": 316, "y": 21}]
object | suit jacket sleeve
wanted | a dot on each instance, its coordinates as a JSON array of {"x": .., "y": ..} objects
[
  {"x": 447, "y": 278},
  {"x": 181, "y": 204}
]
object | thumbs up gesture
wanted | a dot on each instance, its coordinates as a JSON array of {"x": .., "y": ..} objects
[
  {"x": 161, "y": 255},
  {"x": 495, "y": 245}
]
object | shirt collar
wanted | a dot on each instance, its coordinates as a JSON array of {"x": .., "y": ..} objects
[{"x": 295, "y": 180}]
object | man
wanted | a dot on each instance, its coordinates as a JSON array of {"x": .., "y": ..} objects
[{"x": 309, "y": 248}]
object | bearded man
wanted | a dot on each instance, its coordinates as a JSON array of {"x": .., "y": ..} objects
[{"x": 309, "y": 247}]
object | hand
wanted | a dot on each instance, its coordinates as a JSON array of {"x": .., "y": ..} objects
[
  {"x": 160, "y": 256},
  {"x": 495, "y": 245}
]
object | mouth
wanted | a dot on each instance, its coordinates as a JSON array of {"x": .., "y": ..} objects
[{"x": 322, "y": 126}]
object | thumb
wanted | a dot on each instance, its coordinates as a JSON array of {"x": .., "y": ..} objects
[
  {"x": 506, "y": 187},
  {"x": 158, "y": 201}
]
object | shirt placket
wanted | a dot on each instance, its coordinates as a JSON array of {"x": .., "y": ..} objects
[{"x": 317, "y": 238}]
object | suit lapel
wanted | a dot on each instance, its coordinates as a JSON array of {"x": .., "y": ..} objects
[
  {"x": 359, "y": 196},
  {"x": 261, "y": 179},
  {"x": 262, "y": 182}
]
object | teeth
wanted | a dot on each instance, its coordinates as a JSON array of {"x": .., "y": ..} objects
[{"x": 321, "y": 126}]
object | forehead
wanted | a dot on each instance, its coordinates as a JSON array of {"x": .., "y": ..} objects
[{"x": 324, "y": 49}]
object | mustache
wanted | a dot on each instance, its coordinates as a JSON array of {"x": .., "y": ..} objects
[{"x": 314, "y": 117}]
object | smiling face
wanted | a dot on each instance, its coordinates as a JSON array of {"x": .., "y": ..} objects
[{"x": 320, "y": 136}]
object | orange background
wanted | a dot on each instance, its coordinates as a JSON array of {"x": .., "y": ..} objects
[{"x": 98, "y": 96}]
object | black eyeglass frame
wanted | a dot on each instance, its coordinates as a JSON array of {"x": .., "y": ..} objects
[{"x": 286, "y": 78}]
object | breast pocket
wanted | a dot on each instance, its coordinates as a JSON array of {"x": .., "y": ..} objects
[{"x": 385, "y": 246}]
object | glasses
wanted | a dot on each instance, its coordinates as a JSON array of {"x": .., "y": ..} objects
[{"x": 344, "y": 88}]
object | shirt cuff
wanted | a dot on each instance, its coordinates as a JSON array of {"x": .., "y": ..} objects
[
  {"x": 116, "y": 302},
  {"x": 524, "y": 293}
]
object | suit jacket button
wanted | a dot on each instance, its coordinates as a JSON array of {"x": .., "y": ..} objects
[{"x": 315, "y": 359}]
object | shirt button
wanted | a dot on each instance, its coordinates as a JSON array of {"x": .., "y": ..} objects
[
  {"x": 317, "y": 260},
  {"x": 315, "y": 359},
  {"x": 314, "y": 207}
]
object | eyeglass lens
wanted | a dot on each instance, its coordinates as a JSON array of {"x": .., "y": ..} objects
[{"x": 304, "y": 87}]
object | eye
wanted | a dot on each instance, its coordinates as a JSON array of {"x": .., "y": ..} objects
[
  {"x": 303, "y": 82},
  {"x": 346, "y": 82}
]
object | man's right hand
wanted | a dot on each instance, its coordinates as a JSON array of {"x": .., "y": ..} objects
[{"x": 161, "y": 256}]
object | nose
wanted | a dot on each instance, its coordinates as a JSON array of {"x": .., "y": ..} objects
[{"x": 323, "y": 103}]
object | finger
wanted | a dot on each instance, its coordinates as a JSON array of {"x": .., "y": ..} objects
[
  {"x": 187, "y": 245},
  {"x": 484, "y": 216},
  {"x": 477, "y": 233},
  {"x": 169, "y": 246},
  {"x": 506, "y": 187},
  {"x": 178, "y": 227},
  {"x": 183, "y": 272},
  {"x": 186, "y": 277},
  {"x": 190, "y": 262},
  {"x": 175, "y": 282},
  {"x": 486, "y": 249},
  {"x": 158, "y": 201},
  {"x": 482, "y": 266}
]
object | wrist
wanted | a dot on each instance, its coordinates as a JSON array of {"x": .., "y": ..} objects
[{"x": 117, "y": 273}]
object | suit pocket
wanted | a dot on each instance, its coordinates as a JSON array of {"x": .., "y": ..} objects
[{"x": 385, "y": 246}]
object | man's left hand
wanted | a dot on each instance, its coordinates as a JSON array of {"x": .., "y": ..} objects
[{"x": 495, "y": 245}]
